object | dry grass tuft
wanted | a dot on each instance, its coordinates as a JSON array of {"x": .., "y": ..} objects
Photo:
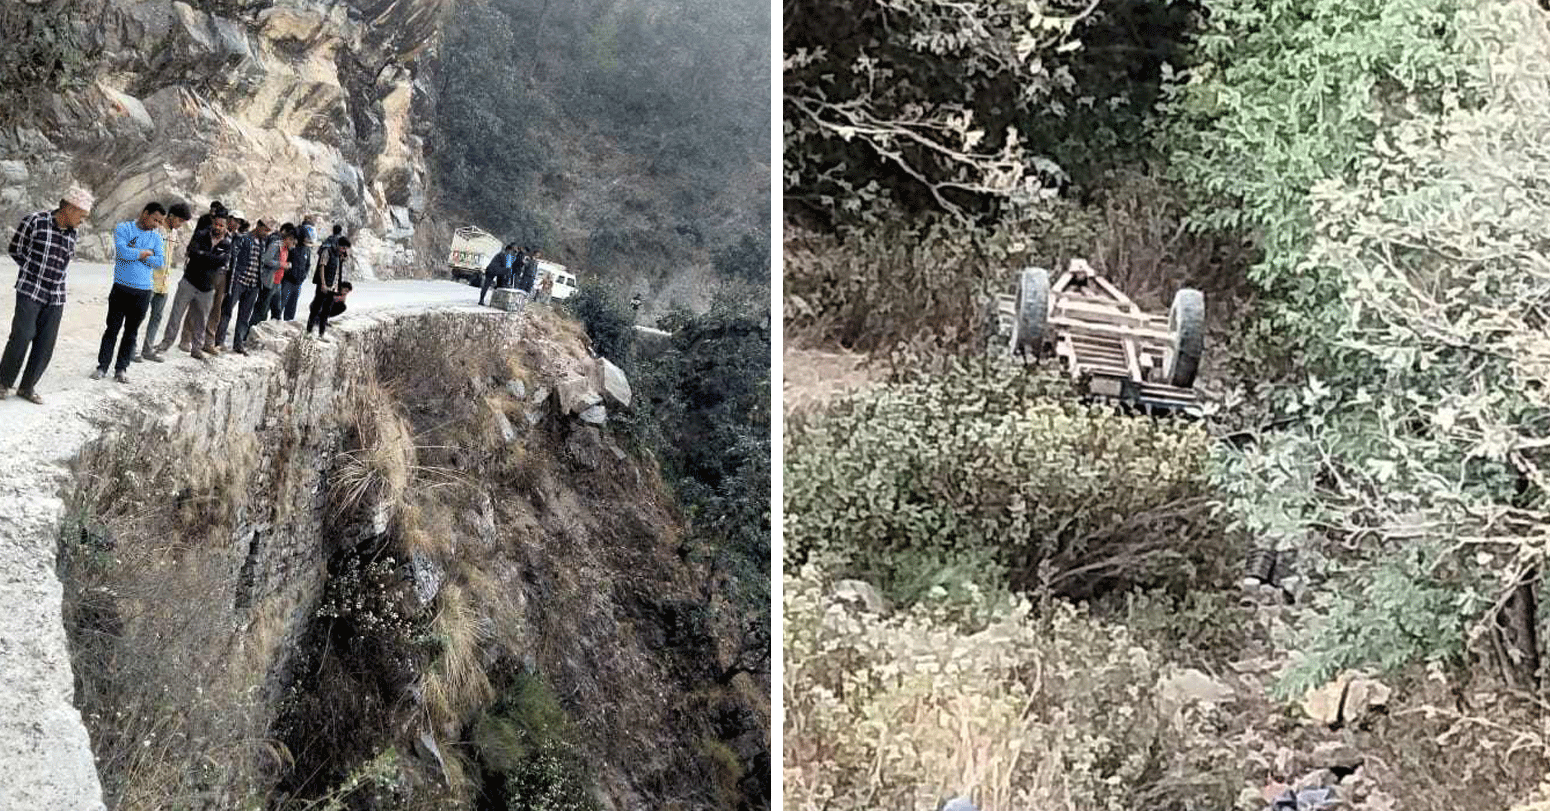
[
  {"x": 425, "y": 527},
  {"x": 455, "y": 685},
  {"x": 378, "y": 472}
]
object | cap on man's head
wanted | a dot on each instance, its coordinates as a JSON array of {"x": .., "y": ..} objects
[{"x": 80, "y": 198}]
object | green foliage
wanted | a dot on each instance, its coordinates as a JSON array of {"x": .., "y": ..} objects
[
  {"x": 1283, "y": 96},
  {"x": 593, "y": 128},
  {"x": 985, "y": 463},
  {"x": 527, "y": 739},
  {"x": 747, "y": 259},
  {"x": 710, "y": 393},
  {"x": 728, "y": 771},
  {"x": 608, "y": 320},
  {"x": 1413, "y": 481}
]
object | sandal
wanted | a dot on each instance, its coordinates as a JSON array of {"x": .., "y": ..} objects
[{"x": 30, "y": 396}]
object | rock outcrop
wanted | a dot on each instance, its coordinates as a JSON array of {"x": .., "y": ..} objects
[{"x": 279, "y": 108}]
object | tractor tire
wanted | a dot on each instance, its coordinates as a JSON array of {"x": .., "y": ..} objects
[
  {"x": 1032, "y": 315},
  {"x": 1187, "y": 322}
]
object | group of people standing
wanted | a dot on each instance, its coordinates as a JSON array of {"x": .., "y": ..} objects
[
  {"x": 514, "y": 267},
  {"x": 235, "y": 276}
]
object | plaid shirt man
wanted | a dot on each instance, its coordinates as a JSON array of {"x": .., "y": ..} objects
[
  {"x": 247, "y": 273},
  {"x": 43, "y": 250}
]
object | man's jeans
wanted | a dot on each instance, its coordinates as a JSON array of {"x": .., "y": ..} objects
[
  {"x": 190, "y": 305},
  {"x": 245, "y": 297},
  {"x": 36, "y": 325},
  {"x": 291, "y": 293},
  {"x": 126, "y": 308},
  {"x": 158, "y": 301}
]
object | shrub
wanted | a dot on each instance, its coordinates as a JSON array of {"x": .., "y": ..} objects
[
  {"x": 1005, "y": 467},
  {"x": 526, "y": 738},
  {"x": 910, "y": 281},
  {"x": 608, "y": 321},
  {"x": 1416, "y": 472},
  {"x": 1281, "y": 98},
  {"x": 1055, "y": 712}
]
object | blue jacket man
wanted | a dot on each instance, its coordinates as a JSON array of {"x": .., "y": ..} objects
[{"x": 137, "y": 251}]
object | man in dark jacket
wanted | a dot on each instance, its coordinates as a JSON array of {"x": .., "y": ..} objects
[
  {"x": 207, "y": 255},
  {"x": 247, "y": 255},
  {"x": 329, "y": 284},
  {"x": 328, "y": 245},
  {"x": 498, "y": 272},
  {"x": 529, "y": 271},
  {"x": 296, "y": 276},
  {"x": 208, "y": 334}
]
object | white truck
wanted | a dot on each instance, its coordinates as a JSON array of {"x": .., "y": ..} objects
[{"x": 474, "y": 247}]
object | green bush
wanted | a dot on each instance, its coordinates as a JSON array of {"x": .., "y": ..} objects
[
  {"x": 526, "y": 738},
  {"x": 1007, "y": 467},
  {"x": 1413, "y": 478},
  {"x": 608, "y": 320},
  {"x": 1283, "y": 97}
]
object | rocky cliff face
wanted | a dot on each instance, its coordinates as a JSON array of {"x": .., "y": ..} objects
[{"x": 277, "y": 107}]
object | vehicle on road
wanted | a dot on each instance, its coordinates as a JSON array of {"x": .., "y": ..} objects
[
  {"x": 564, "y": 280},
  {"x": 472, "y": 249}
]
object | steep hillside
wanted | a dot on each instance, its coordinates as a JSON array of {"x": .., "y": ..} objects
[
  {"x": 628, "y": 139},
  {"x": 423, "y": 575}
]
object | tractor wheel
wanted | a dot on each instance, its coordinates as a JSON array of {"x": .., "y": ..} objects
[
  {"x": 1032, "y": 314},
  {"x": 1187, "y": 322}
]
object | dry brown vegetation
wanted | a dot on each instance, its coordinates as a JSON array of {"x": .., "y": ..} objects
[
  {"x": 175, "y": 710},
  {"x": 562, "y": 566}
]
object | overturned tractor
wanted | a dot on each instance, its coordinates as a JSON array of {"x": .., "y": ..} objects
[{"x": 1114, "y": 351}]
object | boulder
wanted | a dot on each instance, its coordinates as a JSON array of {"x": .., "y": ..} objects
[
  {"x": 596, "y": 415},
  {"x": 517, "y": 389},
  {"x": 428, "y": 577},
  {"x": 614, "y": 383},
  {"x": 586, "y": 447},
  {"x": 509, "y": 299},
  {"x": 577, "y": 394},
  {"x": 128, "y": 106},
  {"x": 1337, "y": 755},
  {"x": 508, "y": 431},
  {"x": 1347, "y": 699}
]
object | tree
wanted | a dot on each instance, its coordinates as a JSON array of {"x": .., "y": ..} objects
[{"x": 1419, "y": 466}]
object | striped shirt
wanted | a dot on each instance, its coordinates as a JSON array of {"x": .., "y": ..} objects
[{"x": 43, "y": 250}]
